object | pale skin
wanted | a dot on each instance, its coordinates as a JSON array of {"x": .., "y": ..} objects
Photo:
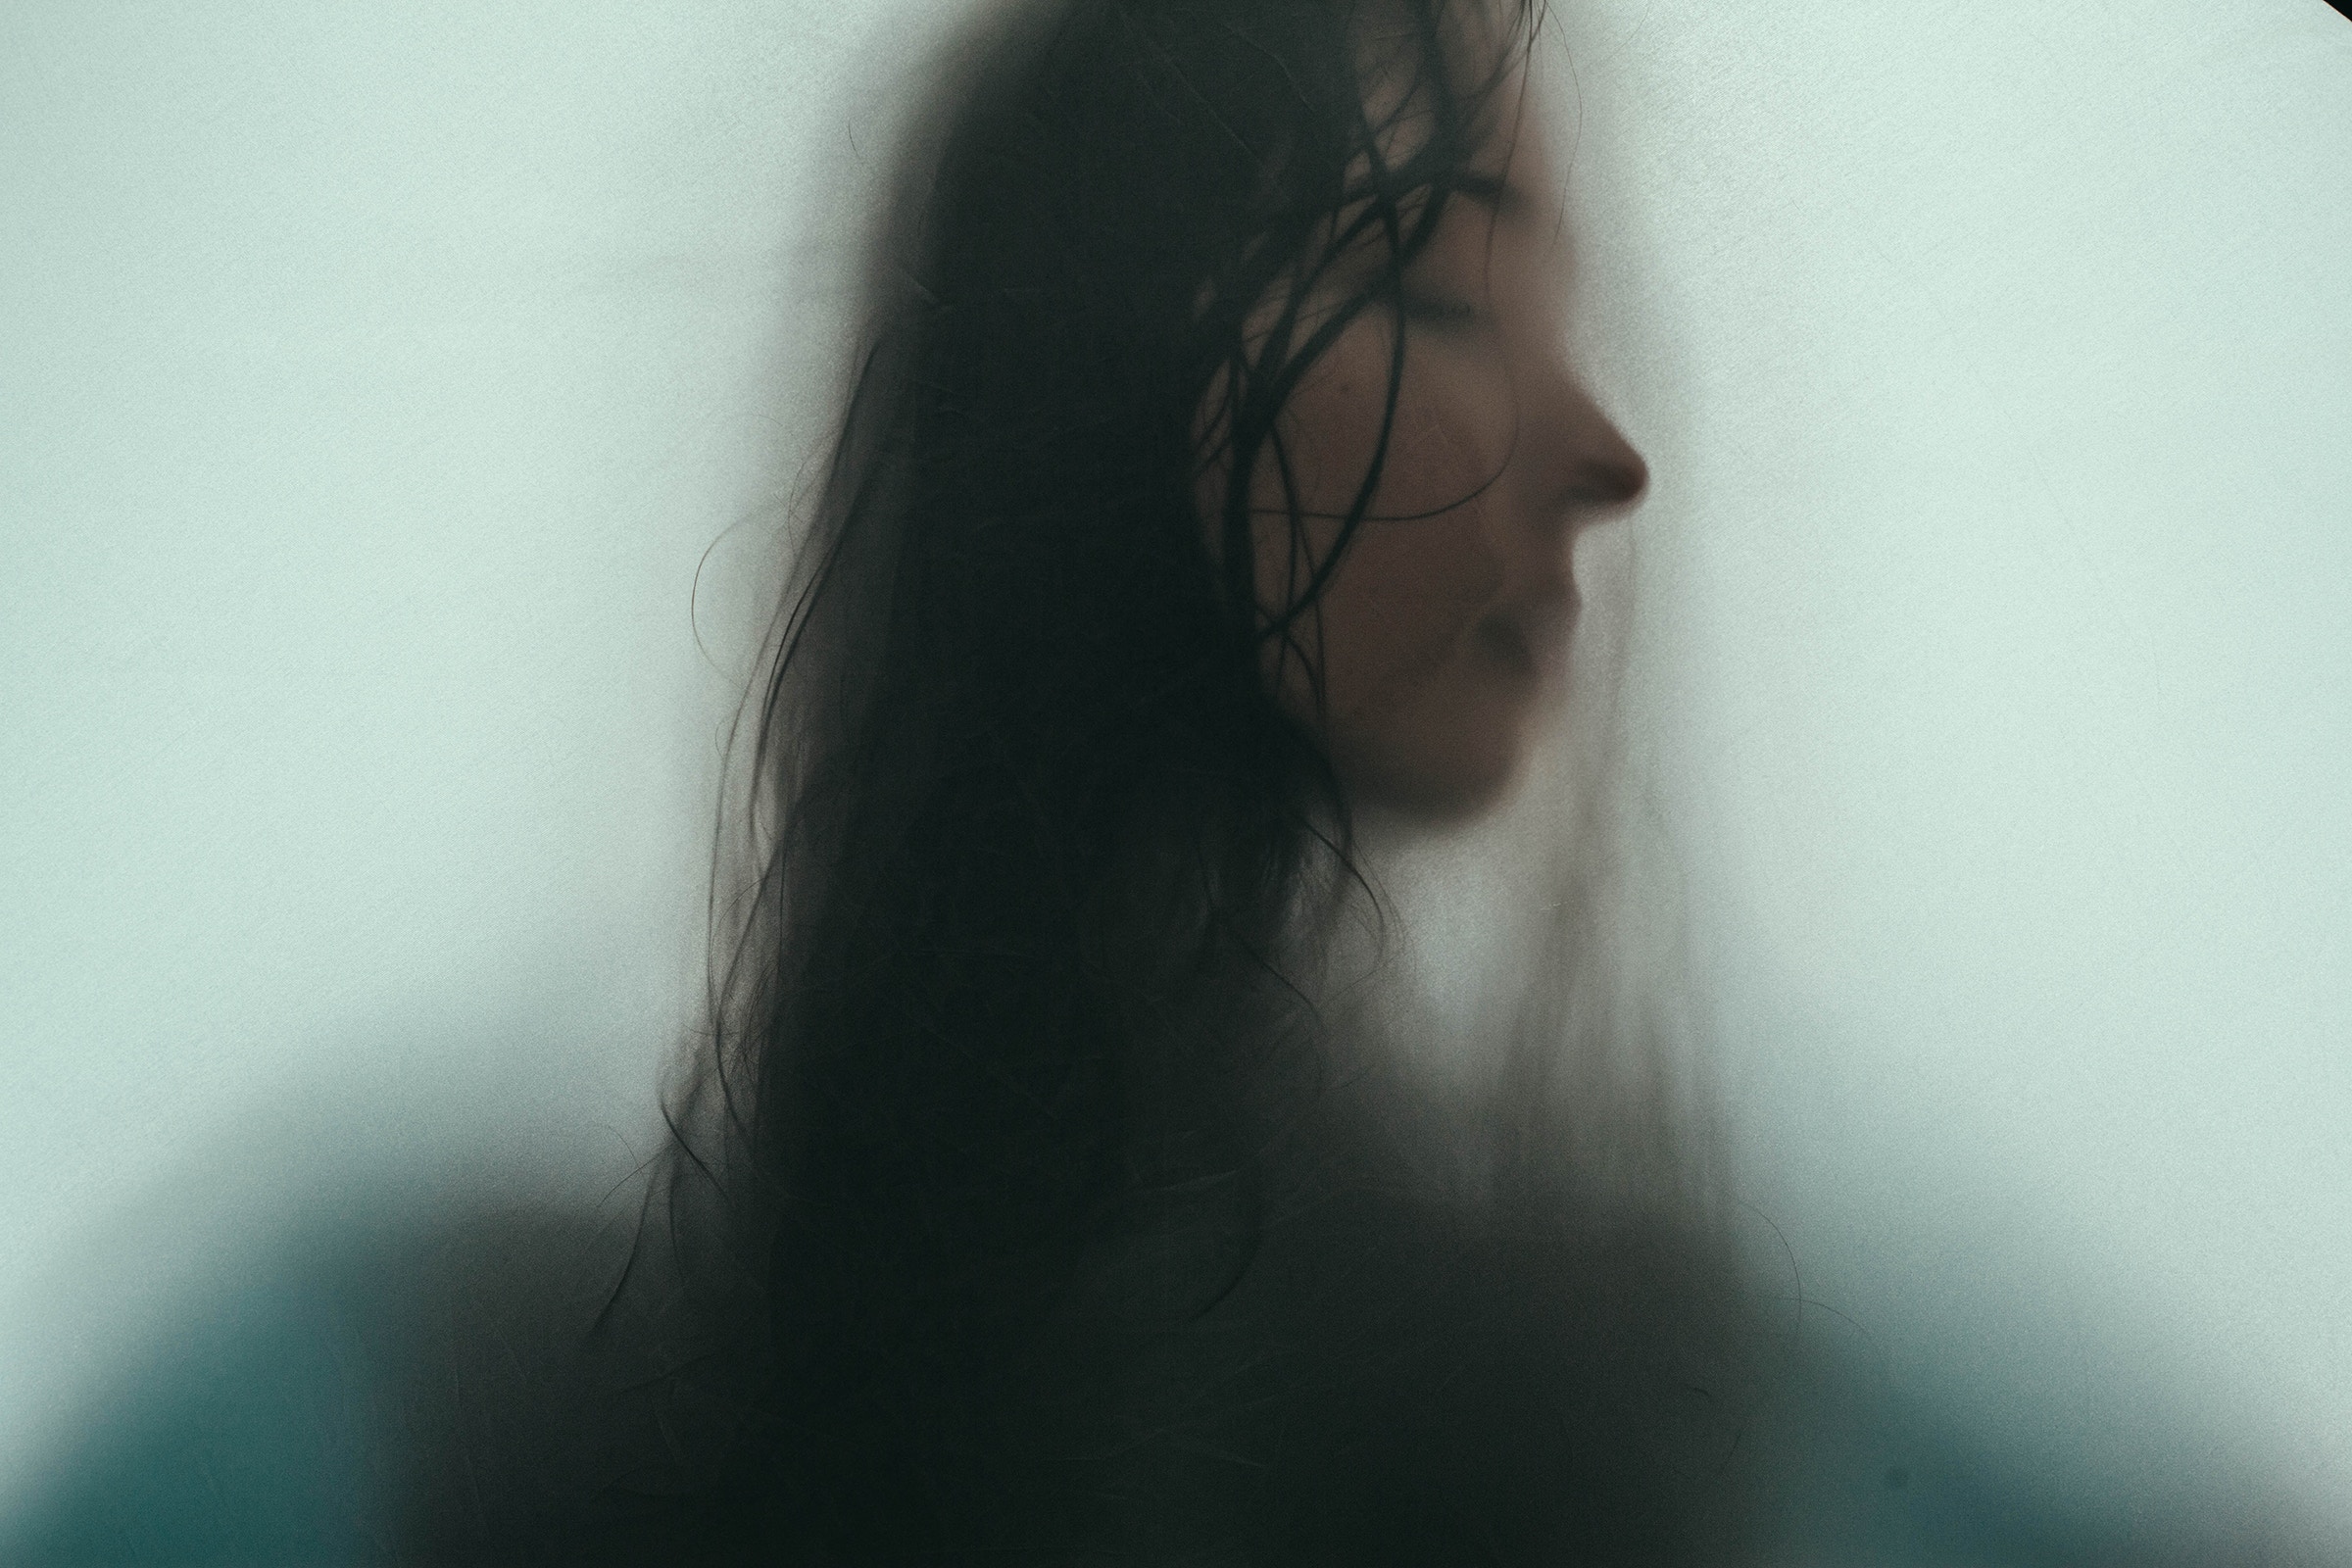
[{"x": 1443, "y": 635}]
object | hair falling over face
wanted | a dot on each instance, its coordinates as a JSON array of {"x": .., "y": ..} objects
[{"x": 1032, "y": 1198}]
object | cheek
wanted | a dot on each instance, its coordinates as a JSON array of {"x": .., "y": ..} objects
[
  {"x": 1420, "y": 714},
  {"x": 1417, "y": 710},
  {"x": 1421, "y": 567},
  {"x": 1398, "y": 616}
]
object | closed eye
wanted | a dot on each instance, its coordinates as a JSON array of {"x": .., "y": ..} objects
[{"x": 1442, "y": 311}]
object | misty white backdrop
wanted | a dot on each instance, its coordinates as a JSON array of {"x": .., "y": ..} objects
[{"x": 397, "y": 410}]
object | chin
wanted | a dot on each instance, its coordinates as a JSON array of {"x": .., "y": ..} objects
[
  {"x": 1467, "y": 787},
  {"x": 1455, "y": 755}
]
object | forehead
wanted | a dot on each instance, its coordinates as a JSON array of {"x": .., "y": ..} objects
[
  {"x": 1504, "y": 200},
  {"x": 1508, "y": 171}
]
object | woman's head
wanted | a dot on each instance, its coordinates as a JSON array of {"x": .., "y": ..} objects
[
  {"x": 1221, "y": 378},
  {"x": 1413, "y": 511}
]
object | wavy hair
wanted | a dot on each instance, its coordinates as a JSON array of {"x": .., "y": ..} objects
[{"x": 1023, "y": 1212}]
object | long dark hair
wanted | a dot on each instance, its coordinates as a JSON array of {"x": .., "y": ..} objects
[{"x": 1029, "y": 1210}]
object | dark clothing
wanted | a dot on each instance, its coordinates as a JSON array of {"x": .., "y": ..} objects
[{"x": 419, "y": 1398}]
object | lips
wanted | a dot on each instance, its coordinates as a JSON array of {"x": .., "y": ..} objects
[{"x": 1532, "y": 638}]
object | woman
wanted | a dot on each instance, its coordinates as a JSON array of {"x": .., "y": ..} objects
[{"x": 1210, "y": 479}]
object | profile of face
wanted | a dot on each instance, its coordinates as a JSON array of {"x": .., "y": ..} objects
[{"x": 1442, "y": 634}]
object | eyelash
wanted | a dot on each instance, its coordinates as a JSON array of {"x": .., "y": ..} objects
[{"x": 1438, "y": 311}]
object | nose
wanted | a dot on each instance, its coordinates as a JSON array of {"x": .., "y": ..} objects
[{"x": 1579, "y": 468}]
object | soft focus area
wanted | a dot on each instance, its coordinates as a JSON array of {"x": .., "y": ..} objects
[
  {"x": 399, "y": 413},
  {"x": 1995, "y": 365}
]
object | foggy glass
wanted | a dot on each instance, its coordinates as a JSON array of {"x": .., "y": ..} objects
[{"x": 398, "y": 421}]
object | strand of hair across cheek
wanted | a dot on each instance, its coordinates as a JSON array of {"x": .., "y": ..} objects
[{"x": 1377, "y": 209}]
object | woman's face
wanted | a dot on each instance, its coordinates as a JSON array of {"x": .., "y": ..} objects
[{"x": 1443, "y": 631}]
